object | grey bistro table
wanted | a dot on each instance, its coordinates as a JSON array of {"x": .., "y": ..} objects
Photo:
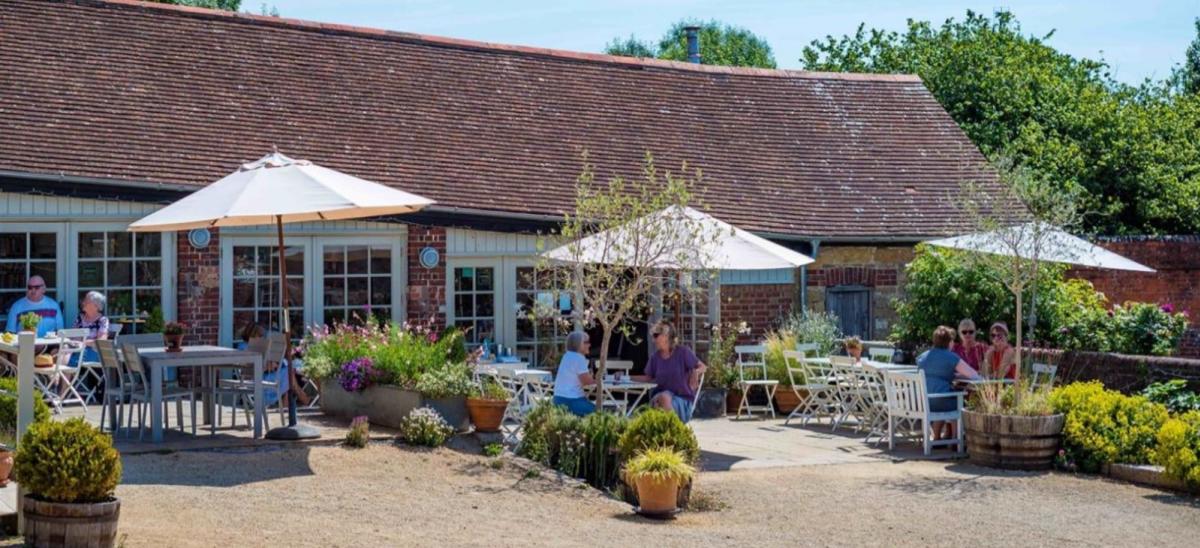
[{"x": 157, "y": 359}]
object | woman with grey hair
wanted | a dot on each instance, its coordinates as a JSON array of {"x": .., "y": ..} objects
[
  {"x": 573, "y": 375},
  {"x": 91, "y": 317}
]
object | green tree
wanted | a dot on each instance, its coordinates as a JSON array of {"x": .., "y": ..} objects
[
  {"x": 1186, "y": 77},
  {"x": 1130, "y": 151},
  {"x": 720, "y": 44}
]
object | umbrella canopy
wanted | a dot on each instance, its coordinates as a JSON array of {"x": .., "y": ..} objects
[
  {"x": 1055, "y": 246},
  {"x": 280, "y": 189},
  {"x": 730, "y": 248}
]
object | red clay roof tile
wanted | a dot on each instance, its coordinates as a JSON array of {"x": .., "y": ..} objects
[{"x": 145, "y": 92}]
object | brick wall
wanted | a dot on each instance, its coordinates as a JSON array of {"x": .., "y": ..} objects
[
  {"x": 760, "y": 306},
  {"x": 1126, "y": 373},
  {"x": 880, "y": 268},
  {"x": 426, "y": 286},
  {"x": 1177, "y": 280},
  {"x": 198, "y": 289}
]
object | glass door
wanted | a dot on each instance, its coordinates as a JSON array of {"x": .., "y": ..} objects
[
  {"x": 252, "y": 295},
  {"x": 473, "y": 297},
  {"x": 356, "y": 282}
]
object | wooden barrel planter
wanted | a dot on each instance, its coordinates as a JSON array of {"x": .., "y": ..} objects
[
  {"x": 1013, "y": 442},
  {"x": 68, "y": 524}
]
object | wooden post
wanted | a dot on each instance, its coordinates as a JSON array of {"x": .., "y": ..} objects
[{"x": 26, "y": 342}]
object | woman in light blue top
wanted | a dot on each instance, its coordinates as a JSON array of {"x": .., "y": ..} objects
[
  {"x": 573, "y": 375},
  {"x": 942, "y": 367}
]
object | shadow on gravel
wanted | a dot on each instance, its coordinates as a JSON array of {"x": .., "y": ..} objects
[
  {"x": 1186, "y": 501},
  {"x": 216, "y": 467}
]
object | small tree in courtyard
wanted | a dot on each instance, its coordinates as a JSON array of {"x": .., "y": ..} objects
[
  {"x": 624, "y": 239},
  {"x": 1017, "y": 241}
]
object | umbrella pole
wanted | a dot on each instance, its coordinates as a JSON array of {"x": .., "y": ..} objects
[{"x": 292, "y": 431}]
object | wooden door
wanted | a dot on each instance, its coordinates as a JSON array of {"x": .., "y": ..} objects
[{"x": 852, "y": 306}]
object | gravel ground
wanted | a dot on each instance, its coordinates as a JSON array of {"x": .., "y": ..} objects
[{"x": 395, "y": 496}]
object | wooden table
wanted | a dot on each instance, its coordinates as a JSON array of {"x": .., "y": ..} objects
[{"x": 157, "y": 360}]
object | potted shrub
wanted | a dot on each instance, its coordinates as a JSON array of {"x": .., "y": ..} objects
[
  {"x": 1012, "y": 427},
  {"x": 29, "y": 321},
  {"x": 70, "y": 471},
  {"x": 486, "y": 405},
  {"x": 658, "y": 474},
  {"x": 8, "y": 423},
  {"x": 445, "y": 389},
  {"x": 721, "y": 378},
  {"x": 173, "y": 336},
  {"x": 655, "y": 428}
]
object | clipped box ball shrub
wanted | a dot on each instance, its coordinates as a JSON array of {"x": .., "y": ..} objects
[
  {"x": 426, "y": 427},
  {"x": 1178, "y": 448},
  {"x": 8, "y": 405},
  {"x": 1105, "y": 426},
  {"x": 69, "y": 461},
  {"x": 656, "y": 428}
]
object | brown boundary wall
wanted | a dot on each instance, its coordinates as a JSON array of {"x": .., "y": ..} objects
[
  {"x": 1177, "y": 280},
  {"x": 1123, "y": 372}
]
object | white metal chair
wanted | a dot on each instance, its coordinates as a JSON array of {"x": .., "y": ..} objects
[
  {"x": 752, "y": 360},
  {"x": 874, "y": 402},
  {"x": 610, "y": 400},
  {"x": 811, "y": 383},
  {"x": 851, "y": 392},
  {"x": 881, "y": 354},
  {"x": 139, "y": 393},
  {"x": 90, "y": 379},
  {"x": 57, "y": 382},
  {"x": 1043, "y": 375},
  {"x": 908, "y": 400},
  {"x": 808, "y": 350}
]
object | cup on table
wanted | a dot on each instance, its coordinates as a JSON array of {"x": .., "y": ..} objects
[{"x": 618, "y": 376}]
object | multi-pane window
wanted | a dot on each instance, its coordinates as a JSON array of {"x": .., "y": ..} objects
[
  {"x": 475, "y": 303},
  {"x": 25, "y": 254},
  {"x": 357, "y": 283},
  {"x": 693, "y": 315},
  {"x": 543, "y": 315},
  {"x": 256, "y": 287},
  {"x": 127, "y": 269}
]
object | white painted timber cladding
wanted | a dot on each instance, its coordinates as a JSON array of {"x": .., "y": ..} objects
[
  {"x": 758, "y": 277},
  {"x": 480, "y": 243},
  {"x": 15, "y": 206}
]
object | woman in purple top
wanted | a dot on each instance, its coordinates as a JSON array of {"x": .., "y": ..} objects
[{"x": 675, "y": 369}]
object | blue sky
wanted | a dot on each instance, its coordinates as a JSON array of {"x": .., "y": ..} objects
[{"x": 1140, "y": 39}]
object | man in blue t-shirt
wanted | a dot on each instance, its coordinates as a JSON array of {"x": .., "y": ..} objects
[{"x": 36, "y": 301}]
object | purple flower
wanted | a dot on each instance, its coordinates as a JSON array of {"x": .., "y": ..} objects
[
  {"x": 357, "y": 374},
  {"x": 1168, "y": 308}
]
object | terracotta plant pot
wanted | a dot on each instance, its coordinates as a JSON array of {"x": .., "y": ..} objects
[
  {"x": 174, "y": 343},
  {"x": 6, "y": 465},
  {"x": 486, "y": 415},
  {"x": 1012, "y": 442},
  {"x": 733, "y": 398},
  {"x": 786, "y": 400},
  {"x": 655, "y": 496},
  {"x": 70, "y": 524}
]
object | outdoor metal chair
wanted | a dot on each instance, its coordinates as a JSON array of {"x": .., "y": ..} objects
[
  {"x": 273, "y": 347},
  {"x": 139, "y": 393},
  {"x": 57, "y": 381},
  {"x": 809, "y": 350},
  {"x": 752, "y": 372},
  {"x": 881, "y": 354},
  {"x": 90, "y": 380},
  {"x": 907, "y": 400},
  {"x": 874, "y": 402},
  {"x": 851, "y": 392},
  {"x": 115, "y": 386},
  {"x": 811, "y": 384},
  {"x": 1043, "y": 375}
]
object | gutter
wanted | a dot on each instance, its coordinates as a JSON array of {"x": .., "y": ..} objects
[{"x": 119, "y": 183}]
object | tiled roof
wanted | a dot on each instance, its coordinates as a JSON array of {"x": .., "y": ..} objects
[{"x": 145, "y": 92}]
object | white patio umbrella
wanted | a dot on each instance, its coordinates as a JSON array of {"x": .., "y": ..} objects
[
  {"x": 731, "y": 248},
  {"x": 1057, "y": 246},
  {"x": 277, "y": 190},
  {"x": 1039, "y": 241}
]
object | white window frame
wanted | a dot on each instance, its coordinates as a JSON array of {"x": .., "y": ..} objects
[
  {"x": 314, "y": 272},
  {"x": 67, "y": 260},
  {"x": 503, "y": 297}
]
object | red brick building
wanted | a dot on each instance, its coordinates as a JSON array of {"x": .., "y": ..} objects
[{"x": 109, "y": 110}]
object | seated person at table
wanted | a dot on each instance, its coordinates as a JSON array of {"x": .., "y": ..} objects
[
  {"x": 92, "y": 318},
  {"x": 35, "y": 300},
  {"x": 854, "y": 348},
  {"x": 675, "y": 370},
  {"x": 970, "y": 350},
  {"x": 273, "y": 373},
  {"x": 1000, "y": 360},
  {"x": 573, "y": 375},
  {"x": 942, "y": 367}
]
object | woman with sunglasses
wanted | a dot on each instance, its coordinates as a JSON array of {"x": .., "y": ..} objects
[
  {"x": 675, "y": 370},
  {"x": 969, "y": 349},
  {"x": 1000, "y": 361}
]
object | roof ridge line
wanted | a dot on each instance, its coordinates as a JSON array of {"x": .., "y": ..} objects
[{"x": 443, "y": 41}]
